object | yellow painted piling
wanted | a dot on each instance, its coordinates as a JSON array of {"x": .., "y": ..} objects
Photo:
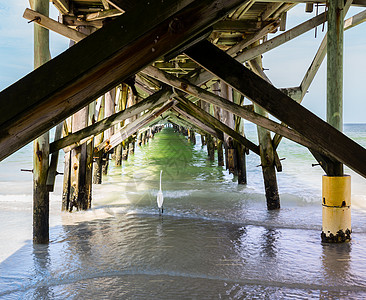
[{"x": 336, "y": 201}]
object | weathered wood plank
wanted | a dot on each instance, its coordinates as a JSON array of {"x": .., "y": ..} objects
[
  {"x": 110, "y": 13},
  {"x": 231, "y": 25},
  {"x": 318, "y": 59},
  {"x": 255, "y": 37},
  {"x": 335, "y": 70},
  {"x": 247, "y": 114},
  {"x": 274, "y": 101},
  {"x": 209, "y": 120},
  {"x": 267, "y": 151},
  {"x": 115, "y": 6},
  {"x": 133, "y": 127},
  {"x": 62, "y": 5},
  {"x": 79, "y": 137},
  {"x": 41, "y": 145},
  {"x": 270, "y": 44},
  {"x": 322, "y": 51},
  {"x": 206, "y": 128},
  {"x": 52, "y": 171},
  {"x": 53, "y": 25},
  {"x": 39, "y": 101}
]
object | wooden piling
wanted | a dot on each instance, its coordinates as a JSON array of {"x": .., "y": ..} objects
[
  {"x": 336, "y": 186},
  {"x": 217, "y": 113},
  {"x": 41, "y": 145},
  {"x": 240, "y": 149},
  {"x": 208, "y": 138},
  {"x": 109, "y": 110},
  {"x": 131, "y": 145},
  {"x": 192, "y": 137},
  {"x": 121, "y": 105},
  {"x": 90, "y": 157},
  {"x": 335, "y": 70},
  {"x": 228, "y": 119},
  {"x": 82, "y": 156},
  {"x": 67, "y": 169},
  {"x": 97, "y": 165},
  {"x": 267, "y": 159},
  {"x": 78, "y": 196}
]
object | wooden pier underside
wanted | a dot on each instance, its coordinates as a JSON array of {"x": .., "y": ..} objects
[{"x": 155, "y": 39}]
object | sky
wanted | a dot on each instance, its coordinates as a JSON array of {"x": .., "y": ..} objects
[{"x": 286, "y": 64}]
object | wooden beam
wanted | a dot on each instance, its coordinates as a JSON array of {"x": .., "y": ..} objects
[
  {"x": 131, "y": 128},
  {"x": 315, "y": 65},
  {"x": 62, "y": 5},
  {"x": 103, "y": 14},
  {"x": 52, "y": 171},
  {"x": 272, "y": 8},
  {"x": 280, "y": 106},
  {"x": 242, "y": 10},
  {"x": 268, "y": 153},
  {"x": 255, "y": 37},
  {"x": 38, "y": 101},
  {"x": 320, "y": 55},
  {"x": 84, "y": 134},
  {"x": 269, "y": 45},
  {"x": 335, "y": 70},
  {"x": 105, "y": 4},
  {"x": 115, "y": 6},
  {"x": 207, "y": 128},
  {"x": 282, "y": 38},
  {"x": 41, "y": 201},
  {"x": 209, "y": 120},
  {"x": 50, "y": 24},
  {"x": 75, "y": 21},
  {"x": 230, "y": 25},
  {"x": 238, "y": 110}
]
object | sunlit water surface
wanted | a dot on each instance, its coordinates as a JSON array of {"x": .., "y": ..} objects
[{"x": 216, "y": 239}]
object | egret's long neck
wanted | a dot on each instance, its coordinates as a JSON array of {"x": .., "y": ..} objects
[{"x": 160, "y": 178}]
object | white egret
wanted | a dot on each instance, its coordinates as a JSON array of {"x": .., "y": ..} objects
[{"x": 160, "y": 197}]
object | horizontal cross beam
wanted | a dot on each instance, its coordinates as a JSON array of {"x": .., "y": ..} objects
[{"x": 79, "y": 137}]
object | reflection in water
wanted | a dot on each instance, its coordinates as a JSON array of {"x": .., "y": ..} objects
[
  {"x": 336, "y": 260},
  {"x": 269, "y": 243},
  {"x": 42, "y": 270},
  {"x": 216, "y": 240}
]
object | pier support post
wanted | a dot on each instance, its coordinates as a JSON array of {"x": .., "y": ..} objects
[
  {"x": 228, "y": 119},
  {"x": 336, "y": 203},
  {"x": 125, "y": 150},
  {"x": 78, "y": 189},
  {"x": 336, "y": 186},
  {"x": 240, "y": 149},
  {"x": 267, "y": 158},
  {"x": 67, "y": 169},
  {"x": 122, "y": 103},
  {"x": 192, "y": 137},
  {"x": 109, "y": 110},
  {"x": 41, "y": 145},
  {"x": 218, "y": 114},
  {"x": 209, "y": 142},
  {"x": 97, "y": 165},
  {"x": 82, "y": 156}
]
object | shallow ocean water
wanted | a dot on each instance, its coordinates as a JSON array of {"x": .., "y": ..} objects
[{"x": 216, "y": 239}]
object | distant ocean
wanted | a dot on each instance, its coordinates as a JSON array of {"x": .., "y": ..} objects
[{"x": 216, "y": 239}]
